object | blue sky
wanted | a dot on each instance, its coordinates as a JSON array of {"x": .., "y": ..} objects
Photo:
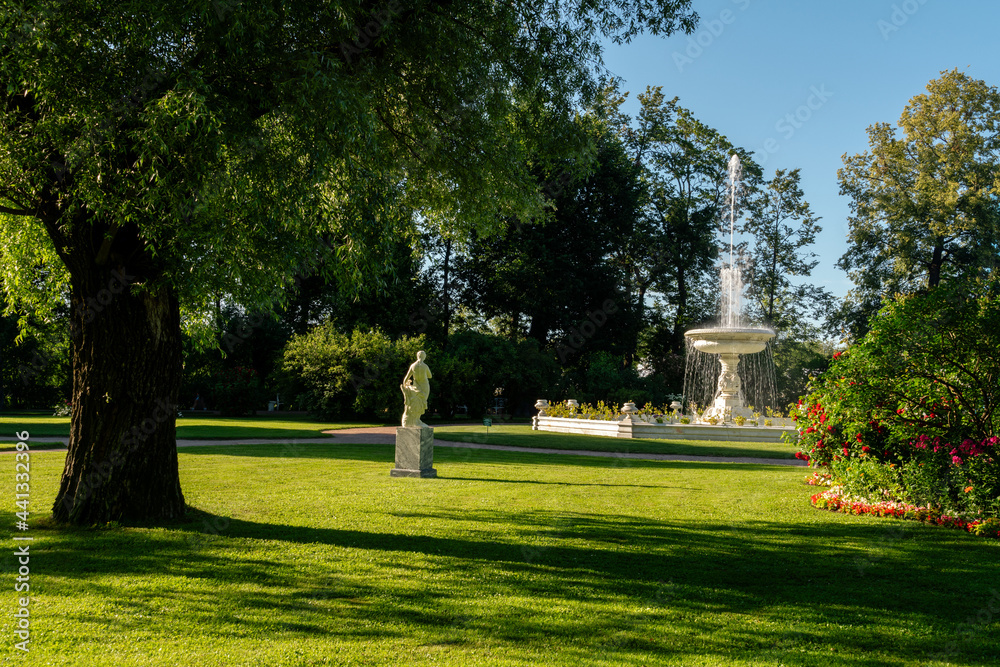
[{"x": 836, "y": 67}]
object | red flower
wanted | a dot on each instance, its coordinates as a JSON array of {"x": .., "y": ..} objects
[{"x": 866, "y": 449}]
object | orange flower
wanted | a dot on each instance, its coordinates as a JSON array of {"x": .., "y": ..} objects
[{"x": 968, "y": 488}]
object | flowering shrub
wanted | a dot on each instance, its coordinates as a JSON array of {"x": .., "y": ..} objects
[
  {"x": 604, "y": 412},
  {"x": 912, "y": 411},
  {"x": 819, "y": 479},
  {"x": 835, "y": 501}
]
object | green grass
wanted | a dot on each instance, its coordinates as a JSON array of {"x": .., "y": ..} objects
[
  {"x": 313, "y": 555},
  {"x": 207, "y": 427},
  {"x": 39, "y": 426},
  {"x": 523, "y": 436},
  {"x": 291, "y": 426}
]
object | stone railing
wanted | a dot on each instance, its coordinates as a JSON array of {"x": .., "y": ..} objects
[{"x": 631, "y": 425}]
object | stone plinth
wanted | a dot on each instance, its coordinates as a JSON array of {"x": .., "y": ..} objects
[{"x": 414, "y": 452}]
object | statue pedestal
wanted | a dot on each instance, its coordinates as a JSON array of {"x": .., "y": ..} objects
[{"x": 414, "y": 452}]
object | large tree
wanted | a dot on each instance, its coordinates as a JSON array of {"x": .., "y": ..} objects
[
  {"x": 684, "y": 165},
  {"x": 781, "y": 226},
  {"x": 159, "y": 154},
  {"x": 543, "y": 280},
  {"x": 925, "y": 206}
]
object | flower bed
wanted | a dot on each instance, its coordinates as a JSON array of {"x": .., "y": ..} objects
[{"x": 834, "y": 501}]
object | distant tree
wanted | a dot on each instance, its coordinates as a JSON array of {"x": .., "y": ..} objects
[
  {"x": 542, "y": 280},
  {"x": 684, "y": 166},
  {"x": 34, "y": 363},
  {"x": 796, "y": 363},
  {"x": 925, "y": 207},
  {"x": 781, "y": 227},
  {"x": 392, "y": 304}
]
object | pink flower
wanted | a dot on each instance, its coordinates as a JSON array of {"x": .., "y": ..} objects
[{"x": 957, "y": 460}]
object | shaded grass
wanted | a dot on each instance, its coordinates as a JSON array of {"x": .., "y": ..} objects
[
  {"x": 312, "y": 554},
  {"x": 523, "y": 436}
]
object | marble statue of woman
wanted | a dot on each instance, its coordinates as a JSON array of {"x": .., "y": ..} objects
[{"x": 416, "y": 390}]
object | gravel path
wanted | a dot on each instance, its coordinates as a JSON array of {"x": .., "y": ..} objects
[{"x": 386, "y": 435}]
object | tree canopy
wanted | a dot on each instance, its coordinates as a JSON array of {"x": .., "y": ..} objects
[
  {"x": 925, "y": 206},
  {"x": 157, "y": 156},
  {"x": 782, "y": 226}
]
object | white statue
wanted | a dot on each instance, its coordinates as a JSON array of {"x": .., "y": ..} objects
[{"x": 416, "y": 390}]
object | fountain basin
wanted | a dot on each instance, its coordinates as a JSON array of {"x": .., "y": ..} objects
[{"x": 722, "y": 340}]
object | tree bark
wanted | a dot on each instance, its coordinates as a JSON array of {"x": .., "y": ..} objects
[
  {"x": 446, "y": 290},
  {"x": 934, "y": 270},
  {"x": 126, "y": 360},
  {"x": 677, "y": 344}
]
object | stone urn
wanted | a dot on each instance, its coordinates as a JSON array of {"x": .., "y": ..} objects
[
  {"x": 572, "y": 405},
  {"x": 629, "y": 410},
  {"x": 540, "y": 405}
]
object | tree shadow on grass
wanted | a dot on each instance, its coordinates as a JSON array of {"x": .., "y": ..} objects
[
  {"x": 538, "y": 481},
  {"x": 381, "y": 453},
  {"x": 638, "y": 585},
  {"x": 566, "y": 441}
]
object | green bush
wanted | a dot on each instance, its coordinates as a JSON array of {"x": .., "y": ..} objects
[
  {"x": 477, "y": 368},
  {"x": 919, "y": 393},
  {"x": 335, "y": 375}
]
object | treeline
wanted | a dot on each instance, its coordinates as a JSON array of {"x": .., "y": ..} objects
[{"x": 592, "y": 297}]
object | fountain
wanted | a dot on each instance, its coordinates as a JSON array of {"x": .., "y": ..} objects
[
  {"x": 746, "y": 378},
  {"x": 727, "y": 342}
]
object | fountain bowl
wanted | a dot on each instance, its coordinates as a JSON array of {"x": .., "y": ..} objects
[{"x": 724, "y": 340}]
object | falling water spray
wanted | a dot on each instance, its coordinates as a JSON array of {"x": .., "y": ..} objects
[{"x": 725, "y": 368}]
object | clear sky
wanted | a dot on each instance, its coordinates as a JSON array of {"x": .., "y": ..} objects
[{"x": 835, "y": 66}]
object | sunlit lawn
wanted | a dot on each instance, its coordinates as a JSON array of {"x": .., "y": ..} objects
[
  {"x": 313, "y": 555},
  {"x": 201, "y": 427}
]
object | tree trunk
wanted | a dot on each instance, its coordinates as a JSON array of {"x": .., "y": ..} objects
[
  {"x": 934, "y": 270},
  {"x": 632, "y": 347},
  {"x": 126, "y": 356},
  {"x": 446, "y": 290},
  {"x": 539, "y": 328},
  {"x": 678, "y": 345}
]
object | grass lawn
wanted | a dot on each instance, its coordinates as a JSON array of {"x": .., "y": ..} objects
[
  {"x": 207, "y": 427},
  {"x": 523, "y": 436},
  {"x": 313, "y": 555}
]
